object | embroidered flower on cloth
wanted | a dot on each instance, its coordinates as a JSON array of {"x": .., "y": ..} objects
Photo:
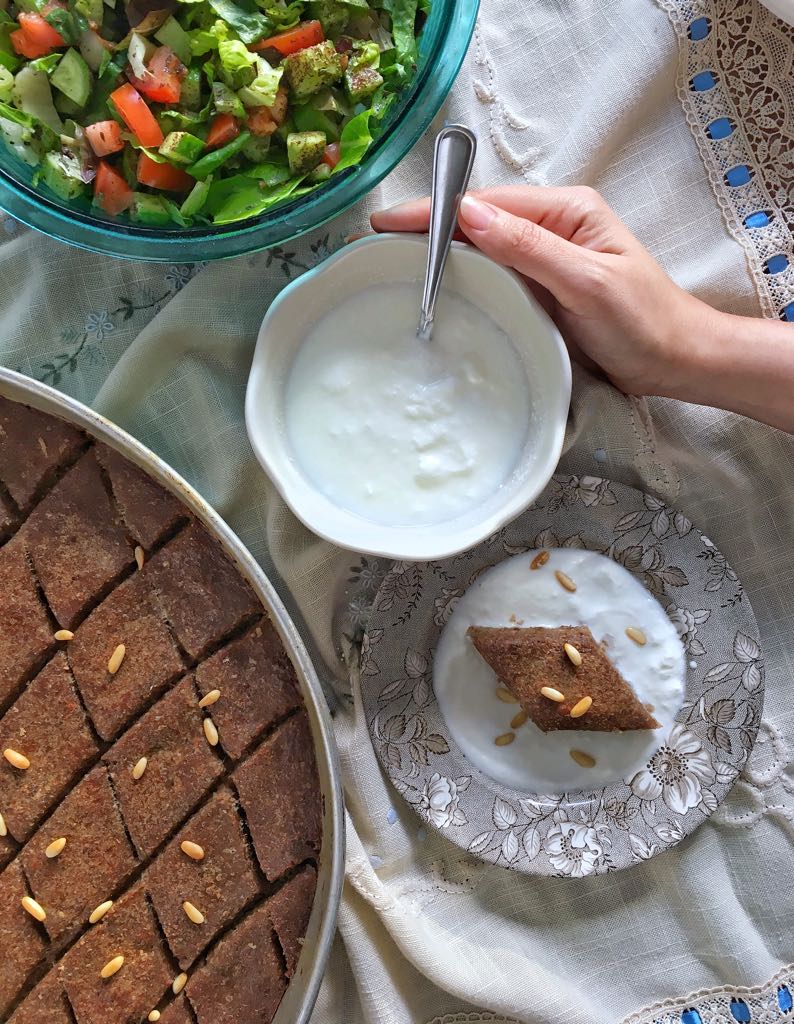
[{"x": 675, "y": 772}]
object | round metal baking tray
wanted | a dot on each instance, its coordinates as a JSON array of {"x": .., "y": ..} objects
[{"x": 299, "y": 999}]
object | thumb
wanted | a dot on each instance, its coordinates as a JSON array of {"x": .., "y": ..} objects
[{"x": 553, "y": 262}]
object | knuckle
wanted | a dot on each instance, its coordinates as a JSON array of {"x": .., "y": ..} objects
[{"x": 588, "y": 198}]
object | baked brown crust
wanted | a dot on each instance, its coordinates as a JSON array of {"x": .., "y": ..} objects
[
  {"x": 284, "y": 822},
  {"x": 189, "y": 623},
  {"x": 528, "y": 658}
]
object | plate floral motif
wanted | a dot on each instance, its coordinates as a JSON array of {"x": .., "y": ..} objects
[{"x": 577, "y": 833}]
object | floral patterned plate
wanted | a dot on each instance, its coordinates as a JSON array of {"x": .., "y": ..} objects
[{"x": 577, "y": 833}]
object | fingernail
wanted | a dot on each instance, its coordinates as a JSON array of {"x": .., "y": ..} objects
[{"x": 476, "y": 214}]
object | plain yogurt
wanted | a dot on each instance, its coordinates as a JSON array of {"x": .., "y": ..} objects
[
  {"x": 399, "y": 431},
  {"x": 608, "y": 599}
]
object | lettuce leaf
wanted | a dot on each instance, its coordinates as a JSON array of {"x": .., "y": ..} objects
[
  {"x": 403, "y": 26},
  {"x": 205, "y": 40},
  {"x": 250, "y": 25},
  {"x": 262, "y": 91},
  {"x": 251, "y": 200},
  {"x": 354, "y": 141},
  {"x": 236, "y": 63}
]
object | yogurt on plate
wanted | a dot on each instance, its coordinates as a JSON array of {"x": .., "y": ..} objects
[
  {"x": 400, "y": 431},
  {"x": 608, "y": 599}
]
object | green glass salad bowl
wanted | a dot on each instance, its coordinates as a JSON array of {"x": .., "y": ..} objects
[{"x": 443, "y": 43}]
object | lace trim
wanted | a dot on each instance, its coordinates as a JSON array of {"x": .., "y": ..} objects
[
  {"x": 473, "y": 1018},
  {"x": 736, "y": 85},
  {"x": 761, "y": 1004}
]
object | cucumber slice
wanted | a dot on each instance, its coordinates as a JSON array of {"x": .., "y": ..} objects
[
  {"x": 172, "y": 35},
  {"x": 72, "y": 77},
  {"x": 307, "y": 119},
  {"x": 196, "y": 198},
  {"x": 181, "y": 148},
  {"x": 190, "y": 96},
  {"x": 61, "y": 173},
  {"x": 150, "y": 210}
]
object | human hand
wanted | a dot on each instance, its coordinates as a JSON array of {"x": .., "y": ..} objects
[{"x": 614, "y": 305}]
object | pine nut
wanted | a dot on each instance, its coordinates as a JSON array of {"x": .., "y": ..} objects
[
  {"x": 581, "y": 707},
  {"x": 583, "y": 759},
  {"x": 33, "y": 908},
  {"x": 3, "y": 827},
  {"x": 112, "y": 967},
  {"x": 565, "y": 581},
  {"x": 179, "y": 983},
  {"x": 64, "y": 634},
  {"x": 55, "y": 848},
  {"x": 518, "y": 720},
  {"x": 193, "y": 912},
  {"x": 139, "y": 556},
  {"x": 210, "y": 732},
  {"x": 573, "y": 654},
  {"x": 140, "y": 768},
  {"x": 153, "y": 1015},
  {"x": 210, "y": 698},
  {"x": 16, "y": 759},
  {"x": 506, "y": 696},
  {"x": 192, "y": 850},
  {"x": 539, "y": 560},
  {"x": 116, "y": 658},
  {"x": 552, "y": 694},
  {"x": 637, "y": 635},
  {"x": 505, "y": 739},
  {"x": 99, "y": 912}
]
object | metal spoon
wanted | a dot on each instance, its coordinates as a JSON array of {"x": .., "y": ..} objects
[{"x": 453, "y": 157}]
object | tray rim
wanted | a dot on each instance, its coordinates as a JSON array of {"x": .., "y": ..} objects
[{"x": 303, "y": 988}]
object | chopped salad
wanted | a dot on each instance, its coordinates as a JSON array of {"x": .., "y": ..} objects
[{"x": 184, "y": 112}]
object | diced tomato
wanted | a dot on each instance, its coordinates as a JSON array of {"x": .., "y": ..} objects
[
  {"x": 331, "y": 155},
  {"x": 35, "y": 37},
  {"x": 260, "y": 121},
  {"x": 163, "y": 84},
  {"x": 137, "y": 116},
  {"x": 111, "y": 191},
  {"x": 308, "y": 33},
  {"x": 104, "y": 137},
  {"x": 163, "y": 176},
  {"x": 223, "y": 129}
]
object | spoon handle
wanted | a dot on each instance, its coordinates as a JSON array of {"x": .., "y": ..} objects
[{"x": 452, "y": 162}]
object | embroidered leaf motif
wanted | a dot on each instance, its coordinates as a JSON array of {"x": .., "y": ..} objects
[
  {"x": 651, "y": 503},
  {"x": 394, "y": 729},
  {"x": 669, "y": 832},
  {"x": 720, "y": 737},
  {"x": 531, "y": 808},
  {"x": 752, "y": 677}
]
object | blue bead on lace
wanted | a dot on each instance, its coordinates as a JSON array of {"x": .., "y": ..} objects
[{"x": 740, "y": 1011}]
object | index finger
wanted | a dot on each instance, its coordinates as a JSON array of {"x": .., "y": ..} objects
[{"x": 577, "y": 214}]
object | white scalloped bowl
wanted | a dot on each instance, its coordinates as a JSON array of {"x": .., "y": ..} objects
[{"x": 379, "y": 259}]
